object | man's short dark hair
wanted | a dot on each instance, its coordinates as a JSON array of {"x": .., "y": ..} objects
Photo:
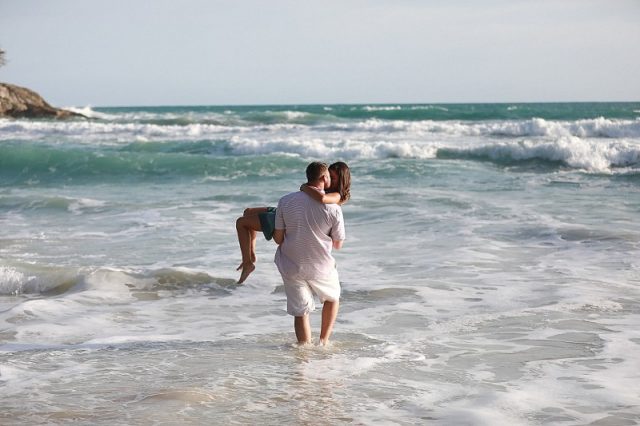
[{"x": 315, "y": 171}]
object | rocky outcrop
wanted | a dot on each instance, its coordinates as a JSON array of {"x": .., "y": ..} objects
[{"x": 19, "y": 102}]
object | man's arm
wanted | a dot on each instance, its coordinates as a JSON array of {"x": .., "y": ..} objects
[
  {"x": 278, "y": 236},
  {"x": 337, "y": 244}
]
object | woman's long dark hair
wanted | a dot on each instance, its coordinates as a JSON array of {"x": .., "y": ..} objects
[{"x": 343, "y": 186}]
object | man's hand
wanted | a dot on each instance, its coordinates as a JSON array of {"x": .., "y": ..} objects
[{"x": 337, "y": 244}]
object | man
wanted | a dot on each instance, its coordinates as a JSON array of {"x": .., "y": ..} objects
[{"x": 306, "y": 231}]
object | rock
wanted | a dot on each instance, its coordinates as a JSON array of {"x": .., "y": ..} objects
[{"x": 19, "y": 102}]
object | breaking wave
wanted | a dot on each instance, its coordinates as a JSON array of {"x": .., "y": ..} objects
[
  {"x": 34, "y": 279},
  {"x": 572, "y": 152},
  {"x": 183, "y": 128},
  {"x": 55, "y": 280},
  {"x": 242, "y": 156}
]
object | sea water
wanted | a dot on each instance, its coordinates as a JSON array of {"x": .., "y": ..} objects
[{"x": 490, "y": 276}]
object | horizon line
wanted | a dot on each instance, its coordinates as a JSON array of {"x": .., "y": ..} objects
[{"x": 310, "y": 104}]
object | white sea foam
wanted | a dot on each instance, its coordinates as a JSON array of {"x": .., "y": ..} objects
[
  {"x": 79, "y": 205},
  {"x": 588, "y": 155},
  {"x": 35, "y": 279},
  {"x": 106, "y": 131},
  {"x": 379, "y": 139},
  {"x": 382, "y": 108},
  {"x": 339, "y": 367},
  {"x": 73, "y": 205},
  {"x": 13, "y": 281},
  {"x": 88, "y": 112},
  {"x": 429, "y": 107},
  {"x": 348, "y": 149},
  {"x": 592, "y": 128},
  {"x": 592, "y": 156},
  {"x": 294, "y": 115}
]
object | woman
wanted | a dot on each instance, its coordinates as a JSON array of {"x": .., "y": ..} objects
[{"x": 263, "y": 218}]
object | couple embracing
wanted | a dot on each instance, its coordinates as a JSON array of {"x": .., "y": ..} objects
[{"x": 306, "y": 225}]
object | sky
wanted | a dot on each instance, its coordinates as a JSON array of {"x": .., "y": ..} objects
[{"x": 234, "y": 52}]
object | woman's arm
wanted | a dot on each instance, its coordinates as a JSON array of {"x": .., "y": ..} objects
[
  {"x": 278, "y": 236},
  {"x": 330, "y": 198}
]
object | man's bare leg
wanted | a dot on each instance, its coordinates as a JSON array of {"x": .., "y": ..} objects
[
  {"x": 302, "y": 328},
  {"x": 329, "y": 315}
]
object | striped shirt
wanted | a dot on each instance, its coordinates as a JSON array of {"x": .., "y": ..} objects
[{"x": 310, "y": 228}]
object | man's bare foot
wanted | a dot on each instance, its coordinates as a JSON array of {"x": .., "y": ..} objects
[{"x": 247, "y": 268}]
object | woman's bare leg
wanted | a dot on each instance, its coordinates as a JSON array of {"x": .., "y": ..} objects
[
  {"x": 247, "y": 226},
  {"x": 254, "y": 211}
]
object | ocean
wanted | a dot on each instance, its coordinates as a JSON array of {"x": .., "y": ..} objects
[{"x": 490, "y": 276}]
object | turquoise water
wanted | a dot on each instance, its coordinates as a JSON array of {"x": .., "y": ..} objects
[
  {"x": 490, "y": 273},
  {"x": 315, "y": 114}
]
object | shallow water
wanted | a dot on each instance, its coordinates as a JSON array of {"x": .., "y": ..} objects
[{"x": 490, "y": 273}]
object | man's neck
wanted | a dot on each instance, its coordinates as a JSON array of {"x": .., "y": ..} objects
[{"x": 317, "y": 185}]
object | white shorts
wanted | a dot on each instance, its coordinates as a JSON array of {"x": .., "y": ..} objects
[{"x": 300, "y": 293}]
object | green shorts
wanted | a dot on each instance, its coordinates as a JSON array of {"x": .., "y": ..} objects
[{"x": 268, "y": 222}]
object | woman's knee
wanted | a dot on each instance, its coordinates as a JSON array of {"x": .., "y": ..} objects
[{"x": 241, "y": 222}]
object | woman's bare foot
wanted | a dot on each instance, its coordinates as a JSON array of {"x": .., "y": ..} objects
[
  {"x": 253, "y": 260},
  {"x": 247, "y": 268}
]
